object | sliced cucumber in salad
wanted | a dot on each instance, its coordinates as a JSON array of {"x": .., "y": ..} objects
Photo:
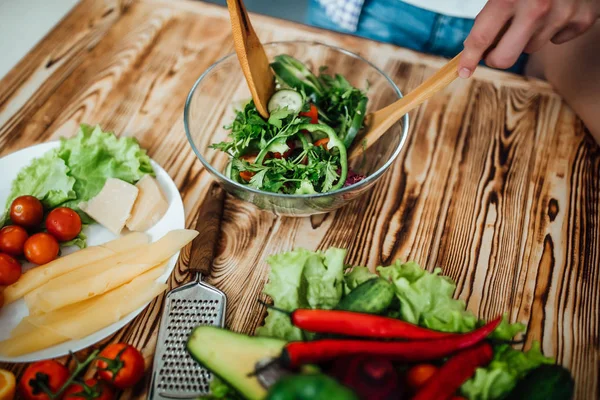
[{"x": 286, "y": 98}]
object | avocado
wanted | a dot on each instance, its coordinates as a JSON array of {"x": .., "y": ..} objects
[{"x": 232, "y": 356}]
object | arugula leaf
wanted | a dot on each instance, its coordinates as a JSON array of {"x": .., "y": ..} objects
[
  {"x": 258, "y": 178},
  {"x": 277, "y": 116},
  {"x": 331, "y": 176}
]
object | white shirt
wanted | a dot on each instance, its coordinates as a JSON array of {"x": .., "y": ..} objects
[{"x": 452, "y": 8}]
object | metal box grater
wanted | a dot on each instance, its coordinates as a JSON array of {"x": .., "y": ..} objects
[{"x": 175, "y": 374}]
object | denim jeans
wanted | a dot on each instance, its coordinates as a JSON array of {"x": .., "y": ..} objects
[{"x": 399, "y": 23}]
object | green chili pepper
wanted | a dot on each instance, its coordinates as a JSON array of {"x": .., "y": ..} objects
[
  {"x": 334, "y": 141},
  {"x": 309, "y": 387}
]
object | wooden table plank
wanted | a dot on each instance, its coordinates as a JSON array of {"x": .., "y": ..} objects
[{"x": 499, "y": 184}]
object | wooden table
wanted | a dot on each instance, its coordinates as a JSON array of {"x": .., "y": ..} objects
[{"x": 499, "y": 183}]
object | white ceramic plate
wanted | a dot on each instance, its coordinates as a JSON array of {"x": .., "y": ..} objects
[{"x": 12, "y": 314}]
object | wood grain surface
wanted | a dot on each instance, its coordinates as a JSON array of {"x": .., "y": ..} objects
[{"x": 498, "y": 184}]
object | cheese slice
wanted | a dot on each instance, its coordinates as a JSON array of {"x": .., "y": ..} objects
[
  {"x": 30, "y": 322},
  {"x": 98, "y": 278},
  {"x": 39, "y": 333},
  {"x": 38, "y": 276},
  {"x": 91, "y": 287},
  {"x": 112, "y": 207},
  {"x": 150, "y": 205}
]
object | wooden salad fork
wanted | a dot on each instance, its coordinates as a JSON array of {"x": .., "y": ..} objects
[
  {"x": 377, "y": 123},
  {"x": 252, "y": 57}
]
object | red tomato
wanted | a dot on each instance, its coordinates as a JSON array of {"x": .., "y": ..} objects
[
  {"x": 246, "y": 175},
  {"x": 313, "y": 114},
  {"x": 93, "y": 389},
  {"x": 12, "y": 240},
  {"x": 120, "y": 364},
  {"x": 51, "y": 373},
  {"x": 26, "y": 211},
  {"x": 41, "y": 248},
  {"x": 63, "y": 223},
  {"x": 10, "y": 269}
]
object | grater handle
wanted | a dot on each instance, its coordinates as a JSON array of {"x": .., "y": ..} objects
[{"x": 208, "y": 225}]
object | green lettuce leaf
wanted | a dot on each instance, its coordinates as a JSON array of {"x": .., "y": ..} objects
[
  {"x": 426, "y": 298},
  {"x": 506, "y": 330},
  {"x": 301, "y": 279},
  {"x": 94, "y": 156},
  {"x": 79, "y": 241},
  {"x": 502, "y": 374},
  {"x": 47, "y": 179}
]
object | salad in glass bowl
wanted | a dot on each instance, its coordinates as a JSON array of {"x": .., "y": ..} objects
[{"x": 295, "y": 162}]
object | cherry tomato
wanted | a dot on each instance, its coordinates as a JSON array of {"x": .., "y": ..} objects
[
  {"x": 313, "y": 114},
  {"x": 120, "y": 364},
  {"x": 12, "y": 240},
  {"x": 41, "y": 248},
  {"x": 63, "y": 223},
  {"x": 51, "y": 373},
  {"x": 322, "y": 142},
  {"x": 26, "y": 211},
  {"x": 93, "y": 389},
  {"x": 10, "y": 269},
  {"x": 419, "y": 374}
]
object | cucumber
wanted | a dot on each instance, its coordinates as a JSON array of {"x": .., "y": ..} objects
[
  {"x": 546, "y": 382},
  {"x": 286, "y": 98},
  {"x": 373, "y": 297}
]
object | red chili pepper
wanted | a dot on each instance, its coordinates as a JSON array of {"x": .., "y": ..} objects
[
  {"x": 360, "y": 324},
  {"x": 313, "y": 114},
  {"x": 299, "y": 353},
  {"x": 448, "y": 379}
]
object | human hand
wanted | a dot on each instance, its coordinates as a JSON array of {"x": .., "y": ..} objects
[{"x": 523, "y": 26}]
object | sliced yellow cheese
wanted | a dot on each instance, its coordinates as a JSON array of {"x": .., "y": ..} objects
[
  {"x": 38, "y": 276},
  {"x": 30, "y": 322},
  {"x": 98, "y": 278},
  {"x": 93, "y": 286},
  {"x": 37, "y": 339},
  {"x": 111, "y": 207},
  {"x": 99, "y": 313},
  {"x": 150, "y": 205}
]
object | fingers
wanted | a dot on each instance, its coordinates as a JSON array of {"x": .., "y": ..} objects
[
  {"x": 559, "y": 17},
  {"x": 526, "y": 23},
  {"x": 487, "y": 26},
  {"x": 583, "y": 20}
]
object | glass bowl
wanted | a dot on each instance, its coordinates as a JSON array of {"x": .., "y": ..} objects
[{"x": 211, "y": 105}]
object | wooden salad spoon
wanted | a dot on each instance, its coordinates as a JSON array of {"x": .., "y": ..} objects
[
  {"x": 252, "y": 57},
  {"x": 377, "y": 123}
]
